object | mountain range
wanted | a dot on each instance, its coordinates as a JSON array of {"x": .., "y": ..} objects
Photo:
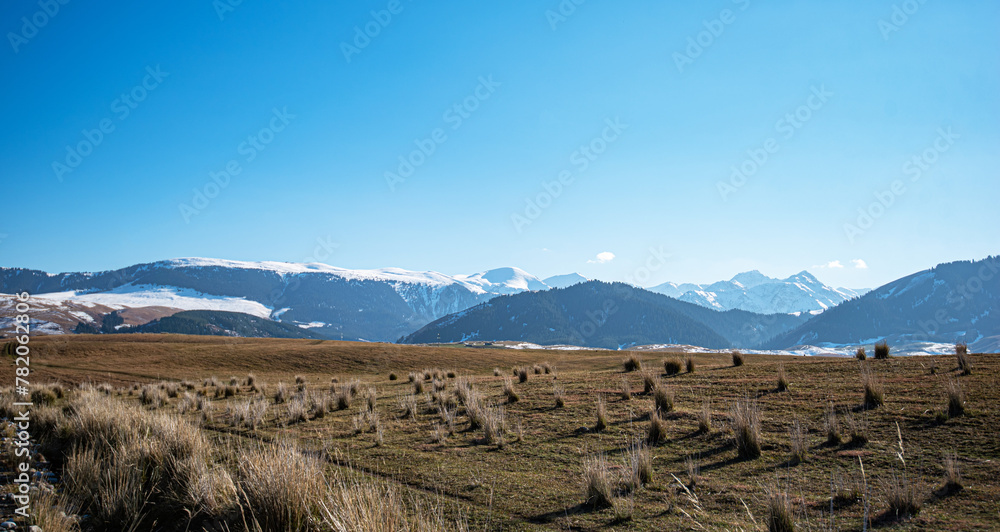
[
  {"x": 756, "y": 292},
  {"x": 946, "y": 303}
]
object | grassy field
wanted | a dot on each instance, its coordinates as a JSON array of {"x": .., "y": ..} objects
[{"x": 524, "y": 467}]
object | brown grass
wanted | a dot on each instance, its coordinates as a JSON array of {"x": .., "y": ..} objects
[
  {"x": 882, "y": 350},
  {"x": 956, "y": 399},
  {"x": 601, "y": 412},
  {"x": 632, "y": 363},
  {"x": 964, "y": 358},
  {"x": 745, "y": 420},
  {"x": 779, "y": 512},
  {"x": 738, "y": 359},
  {"x": 672, "y": 366}
]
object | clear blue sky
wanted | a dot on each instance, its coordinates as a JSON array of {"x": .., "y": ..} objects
[{"x": 886, "y": 91}]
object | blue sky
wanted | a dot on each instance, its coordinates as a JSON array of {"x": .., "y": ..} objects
[{"x": 824, "y": 105}]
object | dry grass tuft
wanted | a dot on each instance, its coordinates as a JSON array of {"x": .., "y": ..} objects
[
  {"x": 952, "y": 474},
  {"x": 560, "y": 396},
  {"x": 779, "y": 512},
  {"x": 745, "y": 420},
  {"x": 873, "y": 388},
  {"x": 672, "y": 366},
  {"x": 738, "y": 359},
  {"x": 964, "y": 358},
  {"x": 831, "y": 425},
  {"x": 632, "y": 363},
  {"x": 626, "y": 392},
  {"x": 657, "y": 432},
  {"x": 649, "y": 382},
  {"x": 857, "y": 428},
  {"x": 782, "y": 379},
  {"x": 602, "y": 415},
  {"x": 882, "y": 350},
  {"x": 663, "y": 399},
  {"x": 797, "y": 436},
  {"x": 522, "y": 374},
  {"x": 901, "y": 496},
  {"x": 599, "y": 482},
  {"x": 860, "y": 354},
  {"x": 705, "y": 417},
  {"x": 689, "y": 364},
  {"x": 640, "y": 463},
  {"x": 509, "y": 392},
  {"x": 956, "y": 399}
]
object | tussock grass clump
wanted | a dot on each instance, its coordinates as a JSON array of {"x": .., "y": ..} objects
[
  {"x": 248, "y": 414},
  {"x": 299, "y": 379},
  {"x": 873, "y": 388},
  {"x": 640, "y": 463},
  {"x": 779, "y": 512},
  {"x": 797, "y": 437},
  {"x": 952, "y": 474},
  {"x": 151, "y": 396},
  {"x": 689, "y": 364},
  {"x": 831, "y": 425},
  {"x": 408, "y": 405},
  {"x": 560, "y": 396},
  {"x": 233, "y": 381},
  {"x": 857, "y": 428},
  {"x": 280, "y": 485},
  {"x": 964, "y": 358},
  {"x": 782, "y": 379},
  {"x": 250, "y": 380},
  {"x": 745, "y": 420},
  {"x": 537, "y": 368},
  {"x": 509, "y": 392},
  {"x": 547, "y": 368},
  {"x": 344, "y": 397},
  {"x": 672, "y": 366},
  {"x": 956, "y": 399},
  {"x": 626, "y": 392},
  {"x": 497, "y": 372},
  {"x": 882, "y": 350},
  {"x": 418, "y": 386},
  {"x": 230, "y": 391},
  {"x": 296, "y": 411},
  {"x": 129, "y": 468},
  {"x": 657, "y": 431},
  {"x": 705, "y": 417},
  {"x": 860, "y": 354},
  {"x": 663, "y": 399},
  {"x": 393, "y": 376},
  {"x": 599, "y": 482},
  {"x": 602, "y": 415},
  {"x": 280, "y": 393},
  {"x": 901, "y": 496},
  {"x": 43, "y": 396},
  {"x": 738, "y": 359},
  {"x": 632, "y": 363},
  {"x": 493, "y": 425},
  {"x": 693, "y": 471},
  {"x": 649, "y": 382},
  {"x": 522, "y": 374}
]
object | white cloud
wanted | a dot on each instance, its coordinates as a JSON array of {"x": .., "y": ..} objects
[
  {"x": 833, "y": 264},
  {"x": 603, "y": 258},
  {"x": 860, "y": 264}
]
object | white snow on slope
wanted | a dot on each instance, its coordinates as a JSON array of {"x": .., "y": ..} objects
[{"x": 129, "y": 296}]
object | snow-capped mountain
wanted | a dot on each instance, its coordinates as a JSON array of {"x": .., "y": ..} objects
[
  {"x": 380, "y": 304},
  {"x": 503, "y": 281},
  {"x": 566, "y": 280},
  {"x": 756, "y": 292}
]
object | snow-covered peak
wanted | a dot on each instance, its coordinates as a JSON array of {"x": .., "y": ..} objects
[
  {"x": 504, "y": 281},
  {"x": 565, "y": 280},
  {"x": 751, "y": 279}
]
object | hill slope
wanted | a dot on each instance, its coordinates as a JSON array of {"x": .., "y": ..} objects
[
  {"x": 598, "y": 314},
  {"x": 953, "y": 301},
  {"x": 218, "y": 323}
]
